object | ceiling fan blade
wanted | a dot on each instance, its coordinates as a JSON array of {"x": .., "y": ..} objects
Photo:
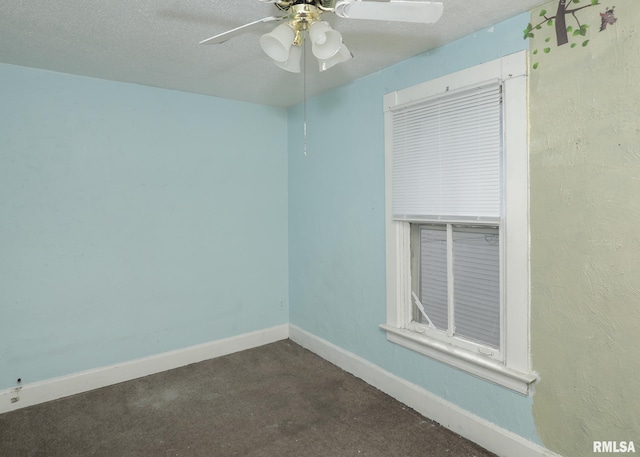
[
  {"x": 222, "y": 37},
  {"x": 425, "y": 12}
]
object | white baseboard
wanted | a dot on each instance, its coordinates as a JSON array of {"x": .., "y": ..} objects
[
  {"x": 52, "y": 389},
  {"x": 486, "y": 434}
]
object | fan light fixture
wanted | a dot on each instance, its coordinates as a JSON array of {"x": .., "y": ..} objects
[{"x": 284, "y": 43}]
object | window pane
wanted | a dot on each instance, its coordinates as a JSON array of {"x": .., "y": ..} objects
[
  {"x": 476, "y": 277},
  {"x": 433, "y": 275}
]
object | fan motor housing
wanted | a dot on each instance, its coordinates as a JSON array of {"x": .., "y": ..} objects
[{"x": 303, "y": 15}]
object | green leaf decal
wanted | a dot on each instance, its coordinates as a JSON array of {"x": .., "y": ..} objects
[
  {"x": 535, "y": 65},
  {"x": 527, "y": 32},
  {"x": 547, "y": 50},
  {"x": 573, "y": 45},
  {"x": 584, "y": 43},
  {"x": 535, "y": 51},
  {"x": 543, "y": 12},
  {"x": 569, "y": 29}
]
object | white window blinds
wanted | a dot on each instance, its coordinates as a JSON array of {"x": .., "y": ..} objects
[{"x": 447, "y": 156}]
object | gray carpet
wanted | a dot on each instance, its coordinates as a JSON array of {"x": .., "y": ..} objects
[{"x": 278, "y": 400}]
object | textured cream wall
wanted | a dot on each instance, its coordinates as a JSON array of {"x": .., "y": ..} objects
[{"x": 585, "y": 229}]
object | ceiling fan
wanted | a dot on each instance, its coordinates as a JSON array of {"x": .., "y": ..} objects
[{"x": 285, "y": 42}]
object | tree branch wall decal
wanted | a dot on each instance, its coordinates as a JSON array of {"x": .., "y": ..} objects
[{"x": 568, "y": 10}]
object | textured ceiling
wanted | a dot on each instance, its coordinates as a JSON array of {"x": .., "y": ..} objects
[{"x": 155, "y": 43}]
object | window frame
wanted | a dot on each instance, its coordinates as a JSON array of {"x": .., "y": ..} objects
[{"x": 512, "y": 369}]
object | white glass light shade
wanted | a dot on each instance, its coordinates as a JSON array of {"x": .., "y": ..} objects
[
  {"x": 342, "y": 55},
  {"x": 325, "y": 42},
  {"x": 277, "y": 43},
  {"x": 292, "y": 64}
]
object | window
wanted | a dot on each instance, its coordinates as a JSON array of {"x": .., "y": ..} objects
[{"x": 457, "y": 220}]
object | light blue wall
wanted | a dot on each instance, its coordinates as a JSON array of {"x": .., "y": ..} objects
[
  {"x": 133, "y": 221},
  {"x": 336, "y": 224}
]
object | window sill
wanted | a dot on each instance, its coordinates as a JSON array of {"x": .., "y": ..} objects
[{"x": 474, "y": 364}]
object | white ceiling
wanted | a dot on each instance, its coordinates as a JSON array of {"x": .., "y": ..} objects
[{"x": 155, "y": 43}]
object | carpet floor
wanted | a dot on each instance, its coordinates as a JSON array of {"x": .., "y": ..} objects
[{"x": 277, "y": 400}]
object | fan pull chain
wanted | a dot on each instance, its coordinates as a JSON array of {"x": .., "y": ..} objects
[{"x": 304, "y": 95}]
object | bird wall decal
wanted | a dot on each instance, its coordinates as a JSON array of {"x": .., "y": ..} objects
[{"x": 607, "y": 18}]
